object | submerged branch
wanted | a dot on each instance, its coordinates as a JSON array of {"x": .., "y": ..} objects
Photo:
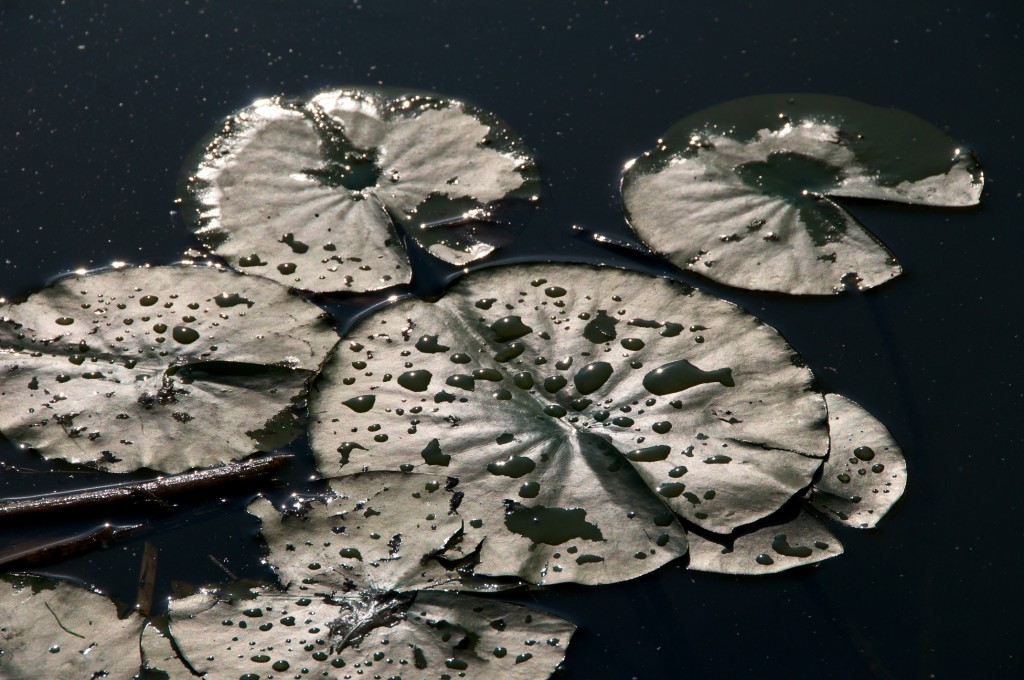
[
  {"x": 36, "y": 553},
  {"x": 154, "y": 491}
]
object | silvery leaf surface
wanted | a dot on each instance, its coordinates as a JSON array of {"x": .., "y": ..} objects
[
  {"x": 865, "y": 473},
  {"x": 576, "y": 405},
  {"x": 59, "y": 630},
  {"x": 308, "y": 192},
  {"x": 379, "y": 528},
  {"x": 775, "y": 547},
  {"x": 167, "y": 368},
  {"x": 742, "y": 192},
  {"x": 158, "y": 654},
  {"x": 390, "y": 634}
]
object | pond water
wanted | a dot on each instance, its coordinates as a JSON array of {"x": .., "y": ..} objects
[{"x": 103, "y": 102}]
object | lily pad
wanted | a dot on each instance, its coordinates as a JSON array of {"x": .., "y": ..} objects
[
  {"x": 308, "y": 192},
  {"x": 573, "y": 404},
  {"x": 862, "y": 478},
  {"x": 742, "y": 192},
  {"x": 56, "y": 630},
  {"x": 354, "y": 566},
  {"x": 167, "y": 368},
  {"x": 423, "y": 634},
  {"x": 775, "y": 547},
  {"x": 378, "y": 528},
  {"x": 865, "y": 473},
  {"x": 158, "y": 654}
]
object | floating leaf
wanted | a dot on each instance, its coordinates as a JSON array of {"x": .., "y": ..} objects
[
  {"x": 573, "y": 404},
  {"x": 766, "y": 549},
  {"x": 167, "y": 368},
  {"x": 863, "y": 476},
  {"x": 389, "y": 634},
  {"x": 354, "y": 565},
  {"x": 865, "y": 473},
  {"x": 158, "y": 654},
  {"x": 377, "y": 528},
  {"x": 742, "y": 192},
  {"x": 306, "y": 192},
  {"x": 57, "y": 630}
]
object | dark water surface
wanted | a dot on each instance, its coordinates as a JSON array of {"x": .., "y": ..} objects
[{"x": 102, "y": 102}]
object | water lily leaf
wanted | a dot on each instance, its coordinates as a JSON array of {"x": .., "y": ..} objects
[
  {"x": 354, "y": 565},
  {"x": 378, "y": 528},
  {"x": 158, "y": 654},
  {"x": 742, "y": 192},
  {"x": 57, "y": 630},
  {"x": 767, "y": 549},
  {"x": 307, "y": 192},
  {"x": 865, "y": 473},
  {"x": 383, "y": 634},
  {"x": 573, "y": 404},
  {"x": 167, "y": 368}
]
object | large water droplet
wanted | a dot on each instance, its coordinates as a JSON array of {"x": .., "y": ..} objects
[
  {"x": 632, "y": 344},
  {"x": 415, "y": 381},
  {"x": 524, "y": 380},
  {"x": 601, "y": 328},
  {"x": 298, "y": 247},
  {"x": 184, "y": 335},
  {"x": 510, "y": 328},
  {"x": 552, "y": 526},
  {"x": 680, "y": 375},
  {"x": 433, "y": 455},
  {"x": 462, "y": 381},
  {"x": 428, "y": 344},
  {"x": 231, "y": 300},
  {"x": 360, "y": 404},
  {"x": 592, "y": 377},
  {"x": 671, "y": 489},
  {"x": 554, "y": 383},
  {"x": 782, "y": 546},
  {"x": 864, "y": 453},
  {"x": 529, "y": 490},
  {"x": 514, "y": 467},
  {"x": 509, "y": 353},
  {"x": 649, "y": 454},
  {"x": 554, "y": 410}
]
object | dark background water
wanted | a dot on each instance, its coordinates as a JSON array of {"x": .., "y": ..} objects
[{"x": 102, "y": 101}]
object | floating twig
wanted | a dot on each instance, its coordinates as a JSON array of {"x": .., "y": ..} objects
[
  {"x": 147, "y": 579},
  {"x": 31, "y": 554},
  {"x": 152, "y": 491},
  {"x": 63, "y": 627},
  {"x": 220, "y": 564}
]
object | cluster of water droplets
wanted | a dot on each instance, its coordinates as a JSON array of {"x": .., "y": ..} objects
[{"x": 94, "y": 360}]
